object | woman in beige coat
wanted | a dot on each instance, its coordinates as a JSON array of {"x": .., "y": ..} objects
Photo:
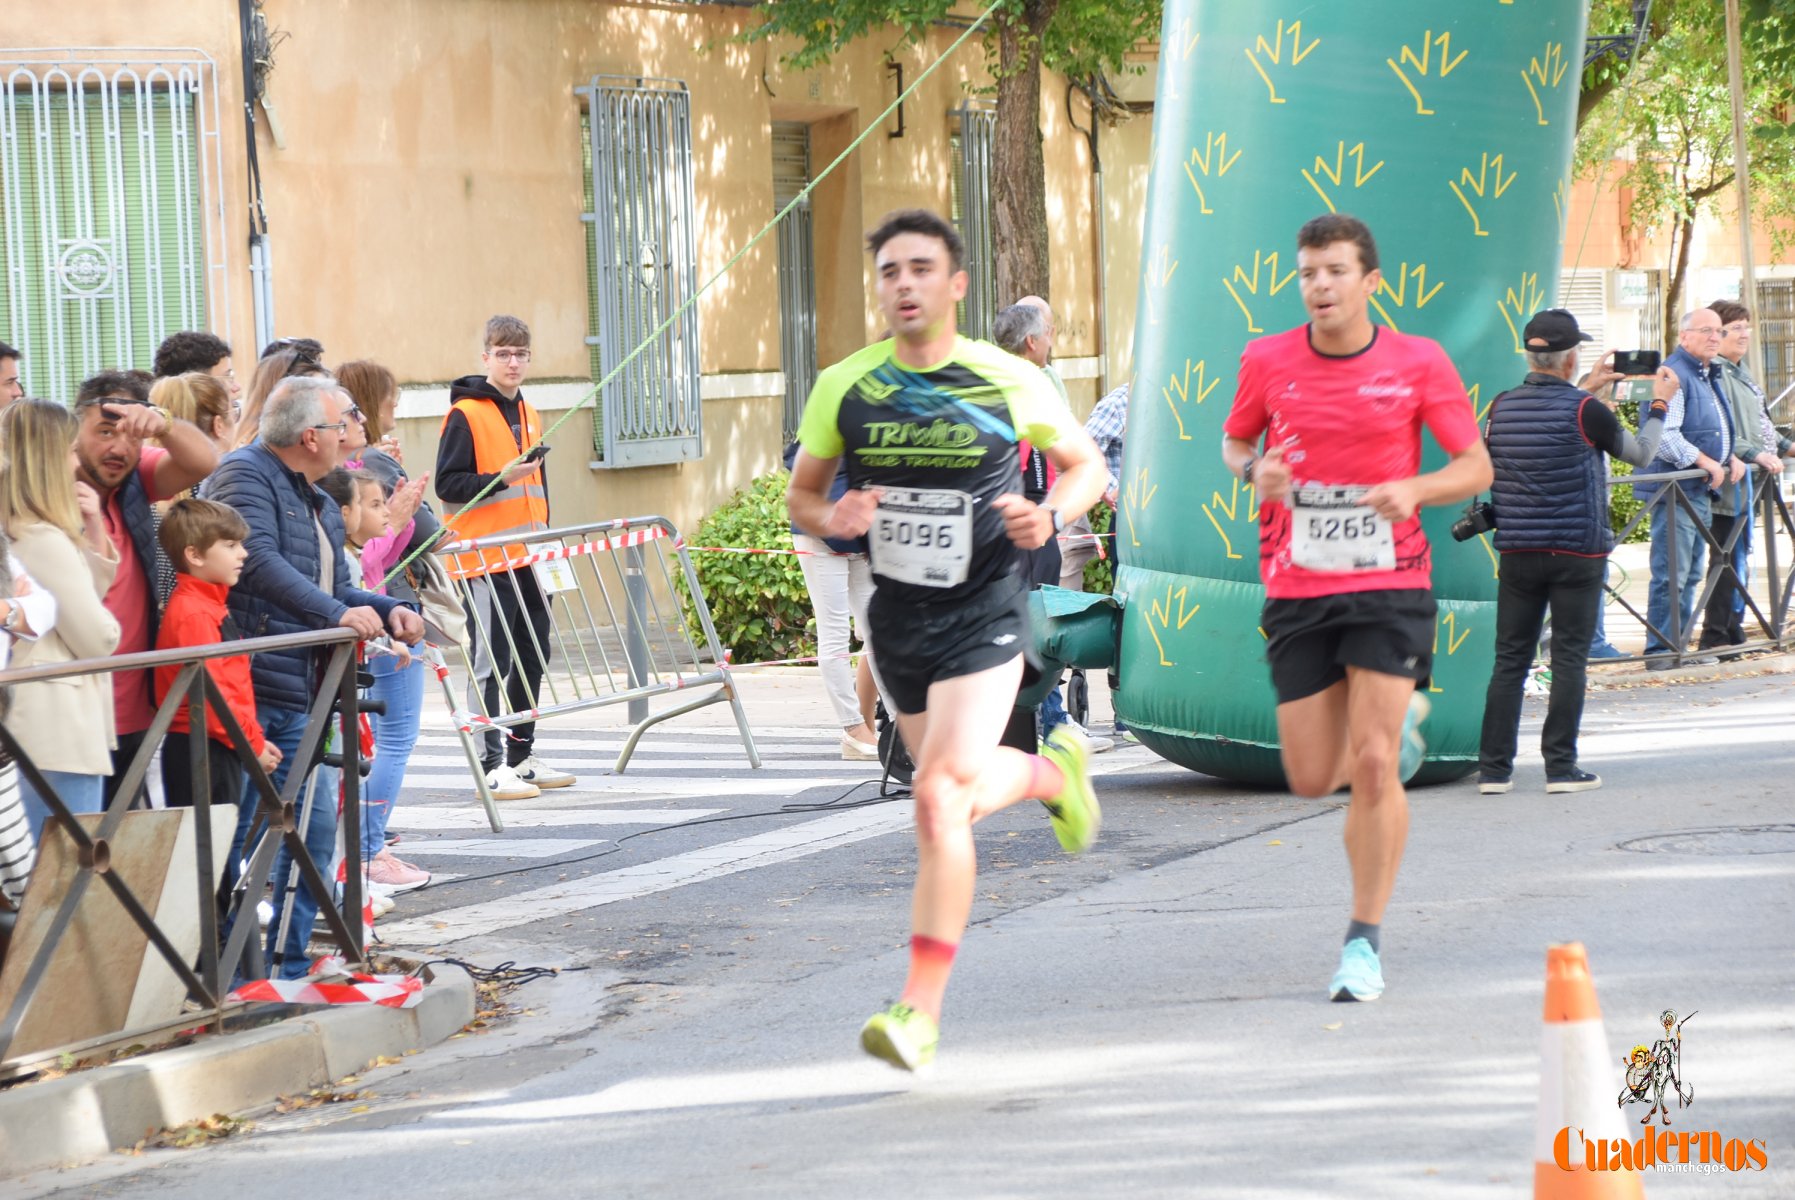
[{"x": 59, "y": 536}]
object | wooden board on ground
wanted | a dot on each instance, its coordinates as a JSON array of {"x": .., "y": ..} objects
[
  {"x": 160, "y": 992},
  {"x": 94, "y": 971}
]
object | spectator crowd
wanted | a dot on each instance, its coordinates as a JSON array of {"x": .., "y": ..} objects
[{"x": 176, "y": 510}]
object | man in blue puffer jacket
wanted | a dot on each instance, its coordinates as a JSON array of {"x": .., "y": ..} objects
[
  {"x": 1698, "y": 433},
  {"x": 1549, "y": 441},
  {"x": 295, "y": 580}
]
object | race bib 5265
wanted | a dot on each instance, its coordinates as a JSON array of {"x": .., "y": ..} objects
[{"x": 1331, "y": 531}]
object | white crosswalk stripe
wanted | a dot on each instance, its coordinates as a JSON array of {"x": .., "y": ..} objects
[
  {"x": 443, "y": 824},
  {"x": 437, "y": 816},
  {"x": 658, "y": 875}
]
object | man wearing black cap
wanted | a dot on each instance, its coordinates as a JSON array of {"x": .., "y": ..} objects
[{"x": 1550, "y": 495}]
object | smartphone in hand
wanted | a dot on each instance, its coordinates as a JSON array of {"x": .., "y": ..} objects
[{"x": 1638, "y": 362}]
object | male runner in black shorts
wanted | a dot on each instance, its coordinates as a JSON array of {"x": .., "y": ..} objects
[
  {"x": 1349, "y": 609},
  {"x": 929, "y": 423}
]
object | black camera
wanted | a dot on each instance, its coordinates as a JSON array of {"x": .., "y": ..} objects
[{"x": 1480, "y": 517}]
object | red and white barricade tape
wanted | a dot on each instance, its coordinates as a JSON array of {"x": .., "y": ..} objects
[
  {"x": 623, "y": 541},
  {"x": 389, "y": 991},
  {"x": 1097, "y": 538}
]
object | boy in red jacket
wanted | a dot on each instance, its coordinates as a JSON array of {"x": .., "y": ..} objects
[{"x": 204, "y": 541}]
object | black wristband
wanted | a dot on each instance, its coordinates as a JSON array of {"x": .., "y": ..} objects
[{"x": 1246, "y": 472}]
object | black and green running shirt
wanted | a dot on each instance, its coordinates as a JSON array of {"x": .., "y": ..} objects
[{"x": 952, "y": 427}]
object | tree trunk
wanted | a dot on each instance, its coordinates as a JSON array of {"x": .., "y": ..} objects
[
  {"x": 1683, "y": 233},
  {"x": 1019, "y": 176}
]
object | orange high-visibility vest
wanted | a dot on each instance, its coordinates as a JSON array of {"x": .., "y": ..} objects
[{"x": 521, "y": 508}]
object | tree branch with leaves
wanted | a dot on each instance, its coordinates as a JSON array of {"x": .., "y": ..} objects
[
  {"x": 1670, "y": 143},
  {"x": 1076, "y": 38}
]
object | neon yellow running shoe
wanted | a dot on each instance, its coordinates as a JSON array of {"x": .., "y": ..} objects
[
  {"x": 1075, "y": 811},
  {"x": 902, "y": 1036}
]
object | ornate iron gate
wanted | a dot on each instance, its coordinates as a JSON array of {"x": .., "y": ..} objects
[
  {"x": 797, "y": 269},
  {"x": 111, "y": 219},
  {"x": 972, "y": 139},
  {"x": 644, "y": 267}
]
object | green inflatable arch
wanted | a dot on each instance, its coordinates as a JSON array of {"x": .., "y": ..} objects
[{"x": 1448, "y": 128}]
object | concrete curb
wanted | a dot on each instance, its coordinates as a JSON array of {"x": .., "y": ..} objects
[{"x": 87, "y": 1115}]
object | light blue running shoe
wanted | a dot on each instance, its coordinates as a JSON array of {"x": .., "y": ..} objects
[
  {"x": 1414, "y": 746},
  {"x": 1359, "y": 977}
]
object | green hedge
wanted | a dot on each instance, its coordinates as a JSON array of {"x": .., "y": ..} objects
[
  {"x": 758, "y": 602},
  {"x": 1100, "y": 573},
  {"x": 1621, "y": 504}
]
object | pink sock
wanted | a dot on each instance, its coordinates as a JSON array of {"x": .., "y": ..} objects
[
  {"x": 1045, "y": 780},
  {"x": 931, "y": 960}
]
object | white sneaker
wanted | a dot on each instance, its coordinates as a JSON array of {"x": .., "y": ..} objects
[
  {"x": 1096, "y": 743},
  {"x": 534, "y": 771},
  {"x": 505, "y": 785},
  {"x": 855, "y": 750}
]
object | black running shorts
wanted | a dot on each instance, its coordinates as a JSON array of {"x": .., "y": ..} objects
[
  {"x": 1310, "y": 642},
  {"x": 916, "y": 644}
]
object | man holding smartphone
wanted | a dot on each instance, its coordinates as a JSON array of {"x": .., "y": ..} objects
[
  {"x": 489, "y": 463},
  {"x": 1549, "y": 443}
]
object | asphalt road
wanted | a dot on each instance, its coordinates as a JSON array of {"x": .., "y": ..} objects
[{"x": 1148, "y": 1020}]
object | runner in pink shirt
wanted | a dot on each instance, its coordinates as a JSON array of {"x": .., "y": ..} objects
[{"x": 1339, "y": 405}]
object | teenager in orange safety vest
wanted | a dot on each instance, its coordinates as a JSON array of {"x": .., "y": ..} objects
[{"x": 490, "y": 426}]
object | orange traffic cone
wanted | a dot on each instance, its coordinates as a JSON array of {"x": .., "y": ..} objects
[{"x": 1579, "y": 1119}]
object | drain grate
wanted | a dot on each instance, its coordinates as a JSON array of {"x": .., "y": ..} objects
[{"x": 1731, "y": 839}]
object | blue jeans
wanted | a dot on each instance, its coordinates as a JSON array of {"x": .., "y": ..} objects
[
  {"x": 285, "y": 728},
  {"x": 1599, "y": 639},
  {"x": 1053, "y": 712},
  {"x": 395, "y": 734},
  {"x": 78, "y": 793},
  {"x": 1691, "y": 554}
]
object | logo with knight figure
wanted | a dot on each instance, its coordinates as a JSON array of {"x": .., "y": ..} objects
[
  {"x": 1654, "y": 1077},
  {"x": 1651, "y": 1071}
]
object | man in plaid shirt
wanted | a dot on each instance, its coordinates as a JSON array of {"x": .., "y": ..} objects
[{"x": 1107, "y": 423}]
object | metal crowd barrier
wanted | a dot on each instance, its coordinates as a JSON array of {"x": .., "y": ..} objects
[
  {"x": 1768, "y": 506},
  {"x": 208, "y": 985},
  {"x": 620, "y": 632}
]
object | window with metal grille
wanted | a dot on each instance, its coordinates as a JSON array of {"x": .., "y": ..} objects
[
  {"x": 641, "y": 266},
  {"x": 1774, "y": 328},
  {"x": 970, "y": 143},
  {"x": 109, "y": 228},
  {"x": 1585, "y": 294},
  {"x": 797, "y": 270}
]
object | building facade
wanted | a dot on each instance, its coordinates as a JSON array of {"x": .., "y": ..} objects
[{"x": 419, "y": 165}]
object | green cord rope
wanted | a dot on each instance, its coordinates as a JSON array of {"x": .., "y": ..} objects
[{"x": 674, "y": 316}]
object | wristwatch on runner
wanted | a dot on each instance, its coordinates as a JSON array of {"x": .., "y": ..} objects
[
  {"x": 1059, "y": 522},
  {"x": 1246, "y": 471}
]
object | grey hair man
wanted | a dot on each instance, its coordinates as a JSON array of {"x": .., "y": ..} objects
[
  {"x": 1698, "y": 433},
  {"x": 296, "y": 579},
  {"x": 1025, "y": 329},
  {"x": 1549, "y": 441}
]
